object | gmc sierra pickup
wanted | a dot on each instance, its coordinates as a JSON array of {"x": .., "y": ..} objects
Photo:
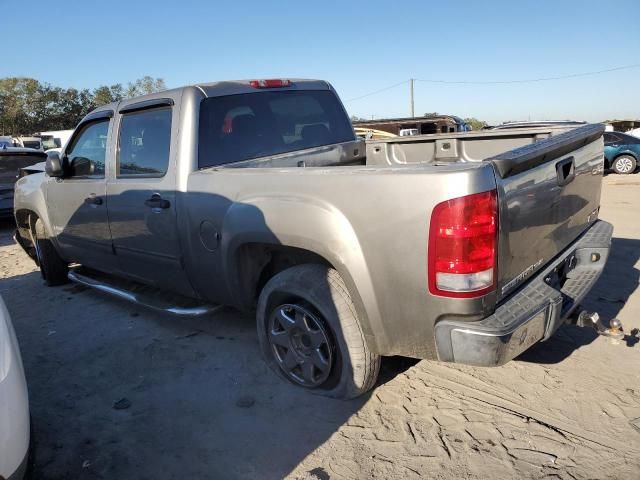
[{"x": 465, "y": 247}]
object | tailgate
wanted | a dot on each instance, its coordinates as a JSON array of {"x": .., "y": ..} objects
[{"x": 549, "y": 193}]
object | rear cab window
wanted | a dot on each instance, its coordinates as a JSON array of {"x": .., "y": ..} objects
[{"x": 245, "y": 126}]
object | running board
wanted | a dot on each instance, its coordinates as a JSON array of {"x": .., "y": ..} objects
[{"x": 141, "y": 294}]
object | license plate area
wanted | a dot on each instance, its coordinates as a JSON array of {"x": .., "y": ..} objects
[
  {"x": 475, "y": 347},
  {"x": 557, "y": 277},
  {"x": 528, "y": 334}
]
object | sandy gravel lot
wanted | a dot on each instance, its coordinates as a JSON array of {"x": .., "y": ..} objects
[{"x": 119, "y": 392}]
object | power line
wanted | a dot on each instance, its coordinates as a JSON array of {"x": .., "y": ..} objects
[
  {"x": 498, "y": 82},
  {"x": 531, "y": 80},
  {"x": 377, "y": 91}
]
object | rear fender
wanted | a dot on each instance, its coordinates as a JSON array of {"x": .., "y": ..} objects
[{"x": 307, "y": 224}]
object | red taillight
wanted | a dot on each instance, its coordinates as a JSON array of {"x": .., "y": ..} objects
[
  {"x": 271, "y": 83},
  {"x": 463, "y": 241}
]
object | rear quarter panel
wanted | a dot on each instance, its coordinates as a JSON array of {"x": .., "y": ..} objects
[{"x": 371, "y": 224}]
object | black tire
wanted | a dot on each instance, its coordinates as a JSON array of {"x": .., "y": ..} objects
[
  {"x": 624, "y": 165},
  {"x": 321, "y": 292},
  {"x": 54, "y": 269}
]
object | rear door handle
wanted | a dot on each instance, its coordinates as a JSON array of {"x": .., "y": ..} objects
[
  {"x": 565, "y": 171},
  {"x": 157, "y": 202},
  {"x": 93, "y": 200}
]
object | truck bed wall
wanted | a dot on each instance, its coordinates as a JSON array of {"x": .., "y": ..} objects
[{"x": 454, "y": 147}]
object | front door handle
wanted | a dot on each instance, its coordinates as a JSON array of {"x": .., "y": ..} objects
[
  {"x": 157, "y": 202},
  {"x": 93, "y": 200}
]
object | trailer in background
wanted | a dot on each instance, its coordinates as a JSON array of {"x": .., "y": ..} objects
[{"x": 416, "y": 125}]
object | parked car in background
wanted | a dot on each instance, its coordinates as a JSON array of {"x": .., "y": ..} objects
[
  {"x": 28, "y": 142},
  {"x": 54, "y": 139},
  {"x": 14, "y": 403},
  {"x": 12, "y": 160},
  {"x": 6, "y": 142},
  {"x": 621, "y": 152},
  {"x": 257, "y": 194}
]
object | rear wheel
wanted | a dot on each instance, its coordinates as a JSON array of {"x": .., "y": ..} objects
[
  {"x": 310, "y": 334},
  {"x": 54, "y": 269},
  {"x": 624, "y": 164}
]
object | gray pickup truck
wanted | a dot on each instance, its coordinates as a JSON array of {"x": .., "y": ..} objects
[{"x": 465, "y": 247}]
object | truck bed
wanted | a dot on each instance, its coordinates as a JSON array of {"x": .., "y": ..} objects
[{"x": 440, "y": 149}]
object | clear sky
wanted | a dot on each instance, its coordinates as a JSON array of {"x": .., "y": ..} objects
[{"x": 359, "y": 46}]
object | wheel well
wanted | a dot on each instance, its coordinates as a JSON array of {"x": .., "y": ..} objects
[
  {"x": 23, "y": 216},
  {"x": 259, "y": 262},
  {"x": 25, "y": 223},
  {"x": 626, "y": 154}
]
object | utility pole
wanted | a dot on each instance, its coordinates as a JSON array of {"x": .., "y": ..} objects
[{"x": 413, "y": 113}]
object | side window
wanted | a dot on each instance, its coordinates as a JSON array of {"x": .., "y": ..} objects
[
  {"x": 144, "y": 142},
  {"x": 87, "y": 152},
  {"x": 613, "y": 139}
]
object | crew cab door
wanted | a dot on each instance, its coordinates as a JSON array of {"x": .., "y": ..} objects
[
  {"x": 142, "y": 197},
  {"x": 77, "y": 202}
]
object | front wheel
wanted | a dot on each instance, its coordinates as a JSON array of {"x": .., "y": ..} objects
[
  {"x": 310, "y": 334},
  {"x": 624, "y": 165},
  {"x": 54, "y": 269}
]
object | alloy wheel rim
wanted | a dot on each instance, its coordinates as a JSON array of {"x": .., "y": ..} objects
[
  {"x": 624, "y": 165},
  {"x": 300, "y": 344}
]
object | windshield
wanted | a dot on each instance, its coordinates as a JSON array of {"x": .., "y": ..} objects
[{"x": 241, "y": 127}]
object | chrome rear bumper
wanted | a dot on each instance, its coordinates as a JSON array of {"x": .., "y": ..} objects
[{"x": 533, "y": 313}]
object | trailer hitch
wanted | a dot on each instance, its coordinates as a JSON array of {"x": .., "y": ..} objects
[{"x": 592, "y": 320}]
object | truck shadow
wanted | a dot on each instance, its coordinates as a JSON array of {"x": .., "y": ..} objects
[{"x": 616, "y": 284}]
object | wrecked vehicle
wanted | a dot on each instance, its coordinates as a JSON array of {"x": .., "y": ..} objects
[
  {"x": 466, "y": 247},
  {"x": 12, "y": 161}
]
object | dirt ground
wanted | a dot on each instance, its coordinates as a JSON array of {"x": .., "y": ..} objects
[{"x": 120, "y": 392}]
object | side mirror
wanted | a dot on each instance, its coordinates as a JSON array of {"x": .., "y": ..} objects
[
  {"x": 53, "y": 165},
  {"x": 81, "y": 167}
]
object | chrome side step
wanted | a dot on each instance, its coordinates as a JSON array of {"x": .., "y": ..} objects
[{"x": 142, "y": 295}]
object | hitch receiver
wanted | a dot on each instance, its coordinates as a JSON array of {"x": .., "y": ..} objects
[{"x": 592, "y": 320}]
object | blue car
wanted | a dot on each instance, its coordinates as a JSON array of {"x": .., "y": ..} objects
[{"x": 621, "y": 152}]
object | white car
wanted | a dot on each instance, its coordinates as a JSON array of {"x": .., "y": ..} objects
[{"x": 14, "y": 404}]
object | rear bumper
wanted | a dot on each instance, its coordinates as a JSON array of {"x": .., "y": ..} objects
[{"x": 533, "y": 313}]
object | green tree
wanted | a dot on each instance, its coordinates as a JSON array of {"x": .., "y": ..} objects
[
  {"x": 475, "y": 124},
  {"x": 28, "y": 106},
  {"x": 145, "y": 86}
]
